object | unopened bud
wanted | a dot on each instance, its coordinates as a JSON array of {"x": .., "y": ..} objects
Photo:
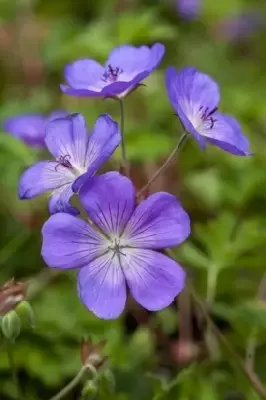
[
  {"x": 94, "y": 359},
  {"x": 108, "y": 380},
  {"x": 10, "y": 325},
  {"x": 91, "y": 353},
  {"x": 89, "y": 390},
  {"x": 11, "y": 294},
  {"x": 25, "y": 312},
  {"x": 85, "y": 350},
  {"x": 185, "y": 351}
]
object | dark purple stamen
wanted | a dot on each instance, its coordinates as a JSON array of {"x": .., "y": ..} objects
[
  {"x": 206, "y": 115},
  {"x": 111, "y": 74},
  {"x": 64, "y": 161}
]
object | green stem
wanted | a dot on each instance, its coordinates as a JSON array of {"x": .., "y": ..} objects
[
  {"x": 210, "y": 339},
  {"x": 251, "y": 348},
  {"x": 165, "y": 165},
  {"x": 211, "y": 285},
  {"x": 13, "y": 369},
  {"x": 122, "y": 132},
  {"x": 75, "y": 381}
]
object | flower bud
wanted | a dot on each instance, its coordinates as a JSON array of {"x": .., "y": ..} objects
[
  {"x": 185, "y": 351},
  {"x": 91, "y": 353},
  {"x": 11, "y": 294},
  {"x": 89, "y": 390},
  {"x": 25, "y": 312},
  {"x": 10, "y": 325},
  {"x": 108, "y": 380}
]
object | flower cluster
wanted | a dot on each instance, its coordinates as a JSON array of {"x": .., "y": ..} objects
[{"x": 121, "y": 246}]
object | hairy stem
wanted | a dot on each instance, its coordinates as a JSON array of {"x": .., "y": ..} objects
[
  {"x": 75, "y": 381},
  {"x": 165, "y": 165}
]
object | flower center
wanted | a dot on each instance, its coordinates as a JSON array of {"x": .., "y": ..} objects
[
  {"x": 116, "y": 244},
  {"x": 111, "y": 74},
  {"x": 65, "y": 161},
  {"x": 206, "y": 115}
]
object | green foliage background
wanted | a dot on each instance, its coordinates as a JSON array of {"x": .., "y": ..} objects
[{"x": 225, "y": 196}]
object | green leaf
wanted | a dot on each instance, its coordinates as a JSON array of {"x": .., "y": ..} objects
[{"x": 193, "y": 256}]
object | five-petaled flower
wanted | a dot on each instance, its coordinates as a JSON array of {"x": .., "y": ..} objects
[
  {"x": 78, "y": 157},
  {"x": 195, "y": 98},
  {"x": 30, "y": 128},
  {"x": 125, "y": 68},
  {"x": 118, "y": 248}
]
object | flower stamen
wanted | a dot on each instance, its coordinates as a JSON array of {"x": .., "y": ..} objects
[
  {"x": 206, "y": 115},
  {"x": 64, "y": 161},
  {"x": 111, "y": 74},
  {"x": 116, "y": 247}
]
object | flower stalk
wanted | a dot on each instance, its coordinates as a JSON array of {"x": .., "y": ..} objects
[
  {"x": 165, "y": 165},
  {"x": 75, "y": 381},
  {"x": 124, "y": 162}
]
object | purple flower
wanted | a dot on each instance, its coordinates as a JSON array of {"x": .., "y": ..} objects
[
  {"x": 30, "y": 128},
  {"x": 77, "y": 157},
  {"x": 117, "y": 248},
  {"x": 125, "y": 68},
  {"x": 188, "y": 9},
  {"x": 240, "y": 27},
  {"x": 195, "y": 98}
]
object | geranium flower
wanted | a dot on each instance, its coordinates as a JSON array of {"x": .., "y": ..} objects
[
  {"x": 118, "y": 248},
  {"x": 195, "y": 98},
  {"x": 125, "y": 68},
  {"x": 30, "y": 128},
  {"x": 77, "y": 157}
]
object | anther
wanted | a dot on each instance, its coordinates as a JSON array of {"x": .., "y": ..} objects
[{"x": 64, "y": 161}]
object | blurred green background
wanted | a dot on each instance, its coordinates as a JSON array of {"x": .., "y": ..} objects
[{"x": 172, "y": 354}]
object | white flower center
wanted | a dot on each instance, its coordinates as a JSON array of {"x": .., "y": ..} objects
[
  {"x": 205, "y": 117},
  {"x": 76, "y": 170},
  {"x": 111, "y": 74},
  {"x": 114, "y": 244},
  {"x": 201, "y": 117},
  {"x": 117, "y": 243}
]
